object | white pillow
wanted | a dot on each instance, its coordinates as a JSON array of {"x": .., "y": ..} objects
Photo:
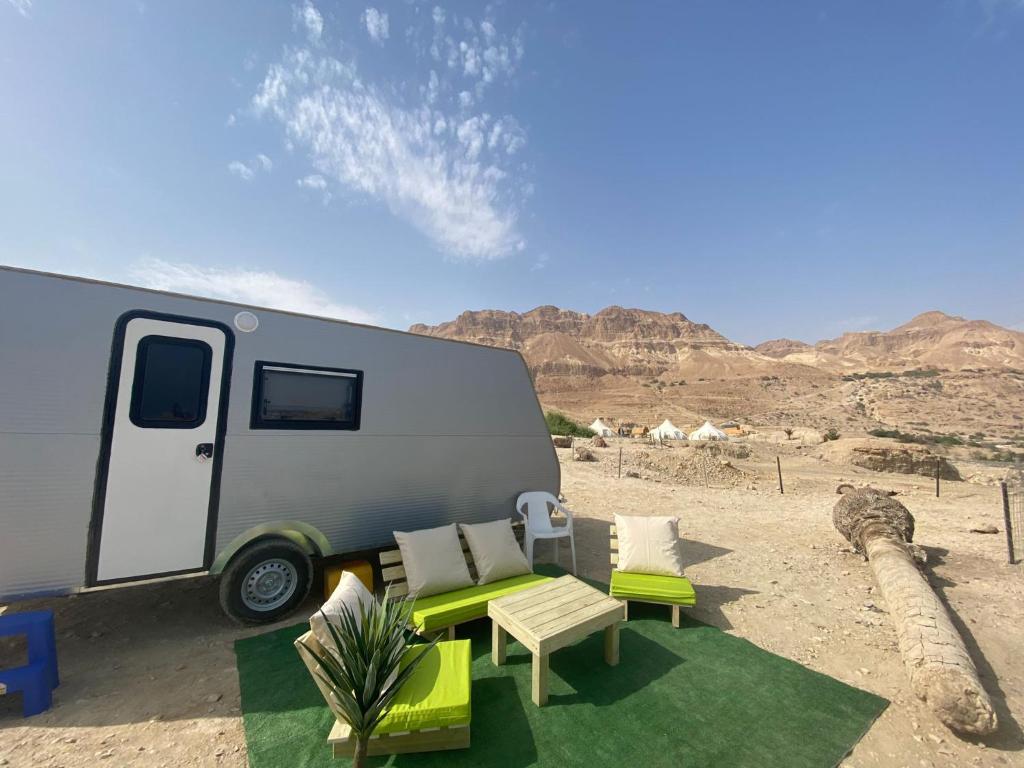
[
  {"x": 433, "y": 561},
  {"x": 649, "y": 545},
  {"x": 350, "y": 592},
  {"x": 496, "y": 552}
]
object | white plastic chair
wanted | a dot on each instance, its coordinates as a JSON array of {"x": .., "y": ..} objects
[{"x": 533, "y": 508}]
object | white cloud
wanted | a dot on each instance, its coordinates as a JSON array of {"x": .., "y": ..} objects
[
  {"x": 433, "y": 163},
  {"x": 313, "y": 181},
  {"x": 241, "y": 170},
  {"x": 245, "y": 286},
  {"x": 539, "y": 263},
  {"x": 246, "y": 171},
  {"x": 24, "y": 7},
  {"x": 316, "y": 183},
  {"x": 309, "y": 17},
  {"x": 376, "y": 25}
]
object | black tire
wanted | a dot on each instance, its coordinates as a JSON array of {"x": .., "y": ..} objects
[{"x": 265, "y": 564}]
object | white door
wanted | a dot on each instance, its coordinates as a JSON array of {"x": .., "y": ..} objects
[{"x": 160, "y": 472}]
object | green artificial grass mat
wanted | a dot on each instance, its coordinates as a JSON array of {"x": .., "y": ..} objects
[{"x": 693, "y": 696}]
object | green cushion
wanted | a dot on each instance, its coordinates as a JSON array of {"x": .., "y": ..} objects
[
  {"x": 437, "y": 694},
  {"x": 643, "y": 586},
  {"x": 438, "y": 611}
]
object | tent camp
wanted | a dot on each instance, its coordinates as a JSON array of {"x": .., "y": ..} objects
[
  {"x": 667, "y": 431},
  {"x": 601, "y": 429},
  {"x": 708, "y": 432}
]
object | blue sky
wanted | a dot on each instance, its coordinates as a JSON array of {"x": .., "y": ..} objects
[{"x": 773, "y": 169}]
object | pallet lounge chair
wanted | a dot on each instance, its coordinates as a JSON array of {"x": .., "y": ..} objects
[
  {"x": 674, "y": 591},
  {"x": 441, "y": 613},
  {"x": 431, "y": 712}
]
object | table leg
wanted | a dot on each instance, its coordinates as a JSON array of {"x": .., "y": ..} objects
[
  {"x": 540, "y": 679},
  {"x": 499, "y": 638},
  {"x": 611, "y": 644}
]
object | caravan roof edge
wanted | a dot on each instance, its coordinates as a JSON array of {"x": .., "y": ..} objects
[{"x": 240, "y": 305}]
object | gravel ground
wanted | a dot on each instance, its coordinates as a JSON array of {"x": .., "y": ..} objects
[{"x": 149, "y": 672}]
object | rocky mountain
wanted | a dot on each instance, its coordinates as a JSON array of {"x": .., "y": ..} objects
[
  {"x": 930, "y": 340},
  {"x": 637, "y": 365},
  {"x": 615, "y": 341}
]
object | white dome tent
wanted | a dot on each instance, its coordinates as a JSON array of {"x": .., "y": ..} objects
[
  {"x": 601, "y": 429},
  {"x": 667, "y": 431},
  {"x": 708, "y": 432}
]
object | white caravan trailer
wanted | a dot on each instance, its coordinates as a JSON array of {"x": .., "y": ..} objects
[{"x": 146, "y": 434}]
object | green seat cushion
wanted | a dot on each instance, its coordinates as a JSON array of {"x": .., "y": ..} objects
[
  {"x": 437, "y": 694},
  {"x": 438, "y": 611},
  {"x": 643, "y": 586}
]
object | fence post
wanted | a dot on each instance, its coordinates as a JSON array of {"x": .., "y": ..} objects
[
  {"x": 778, "y": 465},
  {"x": 620, "y": 462},
  {"x": 938, "y": 464},
  {"x": 1007, "y": 524}
]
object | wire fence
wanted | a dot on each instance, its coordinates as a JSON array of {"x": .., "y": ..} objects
[{"x": 1013, "y": 518}]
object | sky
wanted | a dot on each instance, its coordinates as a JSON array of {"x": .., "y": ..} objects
[{"x": 787, "y": 169}]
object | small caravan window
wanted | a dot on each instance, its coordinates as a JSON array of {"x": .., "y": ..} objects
[
  {"x": 305, "y": 397},
  {"x": 172, "y": 381}
]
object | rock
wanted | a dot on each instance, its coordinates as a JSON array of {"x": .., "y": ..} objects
[
  {"x": 885, "y": 456},
  {"x": 632, "y": 473},
  {"x": 598, "y": 442},
  {"x": 584, "y": 454},
  {"x": 985, "y": 529},
  {"x": 561, "y": 442},
  {"x": 213, "y": 698}
]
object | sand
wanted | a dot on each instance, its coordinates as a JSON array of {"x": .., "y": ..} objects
[{"x": 149, "y": 672}]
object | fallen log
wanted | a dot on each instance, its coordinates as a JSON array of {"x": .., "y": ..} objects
[{"x": 941, "y": 671}]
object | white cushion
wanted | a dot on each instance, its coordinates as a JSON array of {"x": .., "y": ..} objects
[
  {"x": 649, "y": 545},
  {"x": 350, "y": 592},
  {"x": 433, "y": 561},
  {"x": 496, "y": 552}
]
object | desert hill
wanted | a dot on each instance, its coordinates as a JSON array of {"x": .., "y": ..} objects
[
  {"x": 615, "y": 341},
  {"x": 936, "y": 374},
  {"x": 930, "y": 340}
]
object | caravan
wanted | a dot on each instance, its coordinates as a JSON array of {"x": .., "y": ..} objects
[{"x": 145, "y": 434}]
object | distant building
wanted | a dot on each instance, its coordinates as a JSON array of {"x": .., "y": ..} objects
[{"x": 732, "y": 428}]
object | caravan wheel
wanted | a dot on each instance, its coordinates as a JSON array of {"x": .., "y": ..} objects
[{"x": 265, "y": 581}]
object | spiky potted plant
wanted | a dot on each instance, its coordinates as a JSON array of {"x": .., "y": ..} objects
[{"x": 363, "y": 671}]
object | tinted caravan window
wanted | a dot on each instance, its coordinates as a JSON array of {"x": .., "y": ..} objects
[
  {"x": 172, "y": 381},
  {"x": 295, "y": 397}
]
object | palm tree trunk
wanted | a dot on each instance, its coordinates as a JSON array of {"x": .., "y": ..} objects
[{"x": 941, "y": 671}]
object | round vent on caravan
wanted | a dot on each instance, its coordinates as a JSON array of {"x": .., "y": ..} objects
[{"x": 246, "y": 322}]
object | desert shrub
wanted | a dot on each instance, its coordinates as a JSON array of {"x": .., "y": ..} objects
[
  {"x": 560, "y": 424},
  {"x": 916, "y": 373},
  {"x": 831, "y": 434},
  {"x": 910, "y": 437}
]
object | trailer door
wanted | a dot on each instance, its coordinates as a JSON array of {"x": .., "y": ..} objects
[{"x": 155, "y": 510}]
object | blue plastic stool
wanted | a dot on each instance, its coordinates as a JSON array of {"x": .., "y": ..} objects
[{"x": 37, "y": 679}]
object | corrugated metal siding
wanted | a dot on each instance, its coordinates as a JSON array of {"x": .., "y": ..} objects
[
  {"x": 46, "y": 485},
  {"x": 449, "y": 431},
  {"x": 357, "y": 491}
]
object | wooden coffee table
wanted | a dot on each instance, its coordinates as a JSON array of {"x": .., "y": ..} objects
[{"x": 550, "y": 616}]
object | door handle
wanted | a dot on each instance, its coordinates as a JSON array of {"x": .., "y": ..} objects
[{"x": 204, "y": 451}]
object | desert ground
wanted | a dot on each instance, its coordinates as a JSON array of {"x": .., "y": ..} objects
[{"x": 148, "y": 672}]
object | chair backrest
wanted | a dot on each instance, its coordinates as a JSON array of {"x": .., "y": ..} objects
[
  {"x": 314, "y": 666},
  {"x": 392, "y": 570},
  {"x": 534, "y": 504},
  {"x": 613, "y": 544}
]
